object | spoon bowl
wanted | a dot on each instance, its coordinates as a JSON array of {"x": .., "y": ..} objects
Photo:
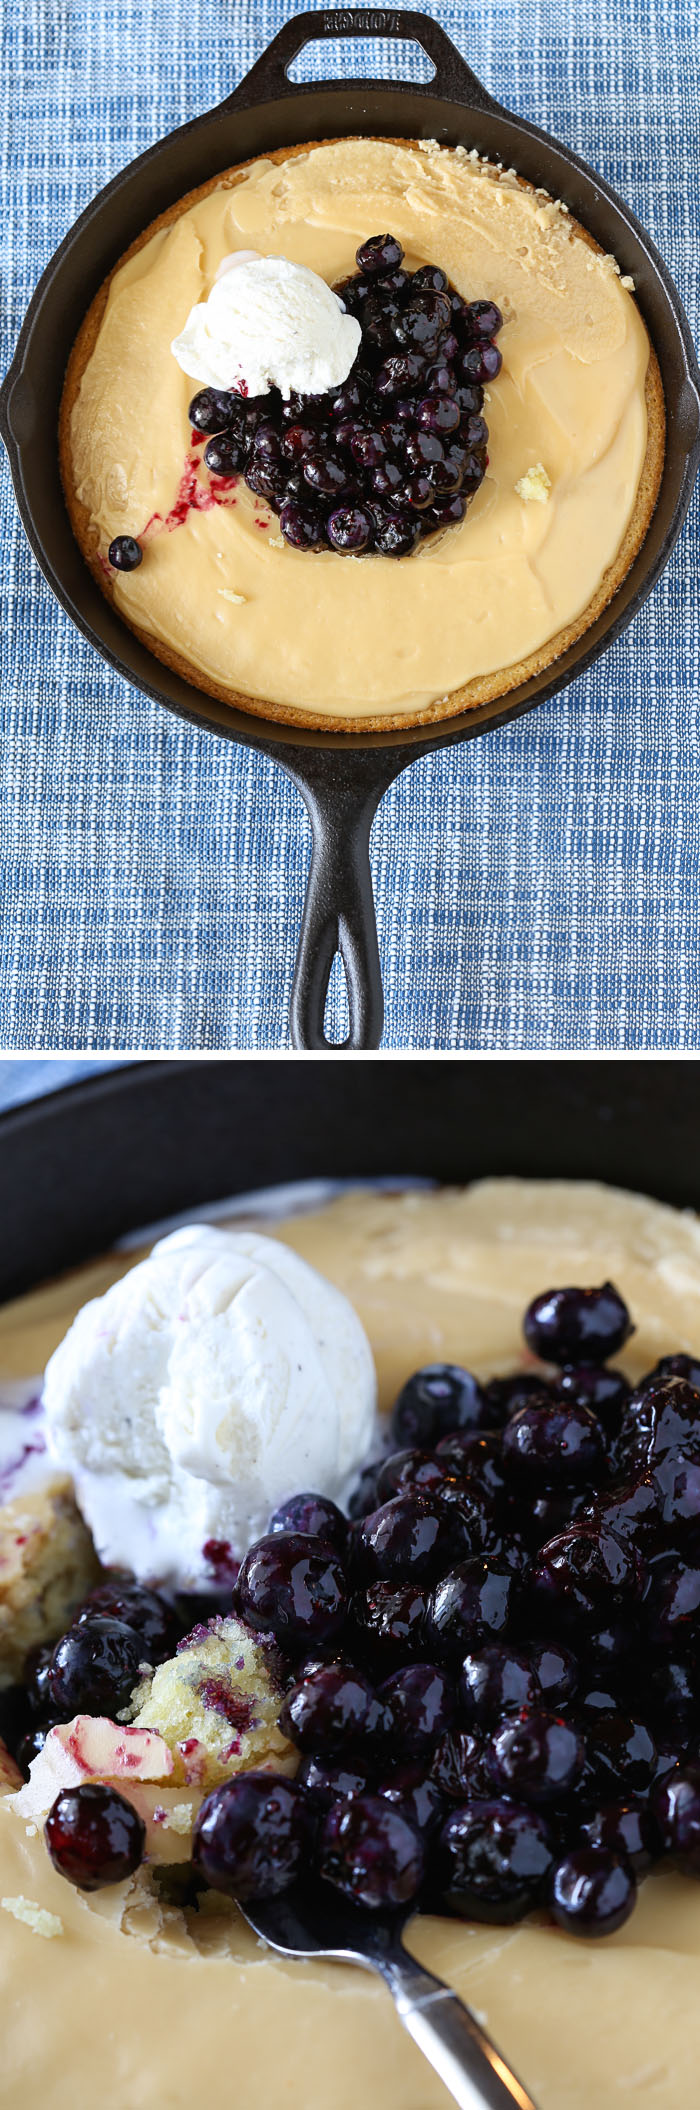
[{"x": 319, "y": 1922}]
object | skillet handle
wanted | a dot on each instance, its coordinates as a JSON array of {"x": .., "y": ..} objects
[
  {"x": 341, "y": 793},
  {"x": 453, "y": 80}
]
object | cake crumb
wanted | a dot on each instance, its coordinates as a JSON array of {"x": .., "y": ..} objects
[
  {"x": 276, "y": 542},
  {"x": 628, "y": 283},
  {"x": 226, "y": 595},
  {"x": 179, "y": 1819},
  {"x": 535, "y": 484},
  {"x": 45, "y": 1923}
]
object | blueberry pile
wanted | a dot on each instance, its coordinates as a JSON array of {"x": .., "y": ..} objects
[
  {"x": 395, "y": 453},
  {"x": 492, "y": 1661}
]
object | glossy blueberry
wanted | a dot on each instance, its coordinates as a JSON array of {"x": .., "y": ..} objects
[
  {"x": 397, "y": 535},
  {"x": 484, "y": 318},
  {"x": 435, "y": 1401},
  {"x": 94, "y": 1668},
  {"x": 670, "y": 1754},
  {"x": 482, "y": 362},
  {"x": 622, "y": 1752},
  {"x": 549, "y": 1514},
  {"x": 268, "y": 483},
  {"x": 429, "y": 278},
  {"x": 139, "y": 1608},
  {"x": 467, "y": 1501},
  {"x": 350, "y": 529},
  {"x": 471, "y": 1605},
  {"x": 371, "y": 1853},
  {"x": 387, "y": 482},
  {"x": 447, "y": 512},
  {"x": 583, "y": 1570},
  {"x": 94, "y": 1836},
  {"x": 630, "y": 1511},
  {"x": 419, "y": 1704},
  {"x": 326, "y": 474},
  {"x": 422, "y": 450},
  {"x": 226, "y": 455},
  {"x": 556, "y": 1670},
  {"x": 416, "y": 1794},
  {"x": 404, "y": 370},
  {"x": 294, "y": 1587},
  {"x": 577, "y": 1325},
  {"x": 469, "y": 397},
  {"x": 298, "y": 441},
  {"x": 477, "y": 1456},
  {"x": 419, "y": 495},
  {"x": 676, "y": 1484},
  {"x": 506, "y": 1395},
  {"x": 346, "y": 401},
  {"x": 125, "y": 553},
  {"x": 457, "y": 1766},
  {"x": 412, "y": 1470},
  {"x": 330, "y": 1709},
  {"x": 328, "y": 1780},
  {"x": 314, "y": 1515},
  {"x": 267, "y": 444},
  {"x": 592, "y": 1891},
  {"x": 662, "y": 1415},
  {"x": 625, "y": 1828},
  {"x": 553, "y": 1442},
  {"x": 491, "y": 1861},
  {"x": 391, "y": 287},
  {"x": 215, "y": 410},
  {"x": 496, "y": 1681},
  {"x": 440, "y": 380},
  {"x": 686, "y": 1366},
  {"x": 447, "y": 476},
  {"x": 302, "y": 526},
  {"x": 589, "y": 1385},
  {"x": 389, "y": 1623},
  {"x": 250, "y": 1836},
  {"x": 439, "y": 413},
  {"x": 674, "y": 1693},
  {"x": 414, "y": 1537},
  {"x": 672, "y": 1606},
  {"x": 422, "y": 322},
  {"x": 537, "y": 1757},
  {"x": 367, "y": 447},
  {"x": 379, "y": 254},
  {"x": 675, "y": 1807}
]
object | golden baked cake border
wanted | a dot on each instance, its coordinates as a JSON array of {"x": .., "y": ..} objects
[{"x": 481, "y": 689}]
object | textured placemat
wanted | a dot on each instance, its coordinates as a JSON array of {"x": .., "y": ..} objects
[{"x": 538, "y": 889}]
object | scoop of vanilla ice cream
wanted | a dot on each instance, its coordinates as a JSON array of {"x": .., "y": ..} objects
[
  {"x": 219, "y": 1376},
  {"x": 267, "y": 324}
]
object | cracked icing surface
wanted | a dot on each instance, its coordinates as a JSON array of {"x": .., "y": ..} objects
[
  {"x": 317, "y": 633},
  {"x": 174, "y": 2006}
]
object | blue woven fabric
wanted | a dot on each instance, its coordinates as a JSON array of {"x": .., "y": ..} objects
[{"x": 537, "y": 889}]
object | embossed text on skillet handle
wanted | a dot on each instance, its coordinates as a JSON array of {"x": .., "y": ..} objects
[{"x": 453, "y": 79}]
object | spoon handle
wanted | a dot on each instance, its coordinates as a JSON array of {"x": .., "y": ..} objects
[{"x": 449, "y": 2036}]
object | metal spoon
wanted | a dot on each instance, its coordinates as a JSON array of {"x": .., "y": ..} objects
[{"x": 321, "y": 1924}]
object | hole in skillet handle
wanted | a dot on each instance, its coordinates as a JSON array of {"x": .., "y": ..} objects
[
  {"x": 341, "y": 794},
  {"x": 452, "y": 80}
]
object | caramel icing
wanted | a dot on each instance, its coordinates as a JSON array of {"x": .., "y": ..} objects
[
  {"x": 172, "y": 2007},
  {"x": 371, "y": 637}
]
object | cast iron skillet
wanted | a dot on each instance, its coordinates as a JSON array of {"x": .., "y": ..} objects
[
  {"x": 85, "y": 1166},
  {"x": 342, "y": 777}
]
